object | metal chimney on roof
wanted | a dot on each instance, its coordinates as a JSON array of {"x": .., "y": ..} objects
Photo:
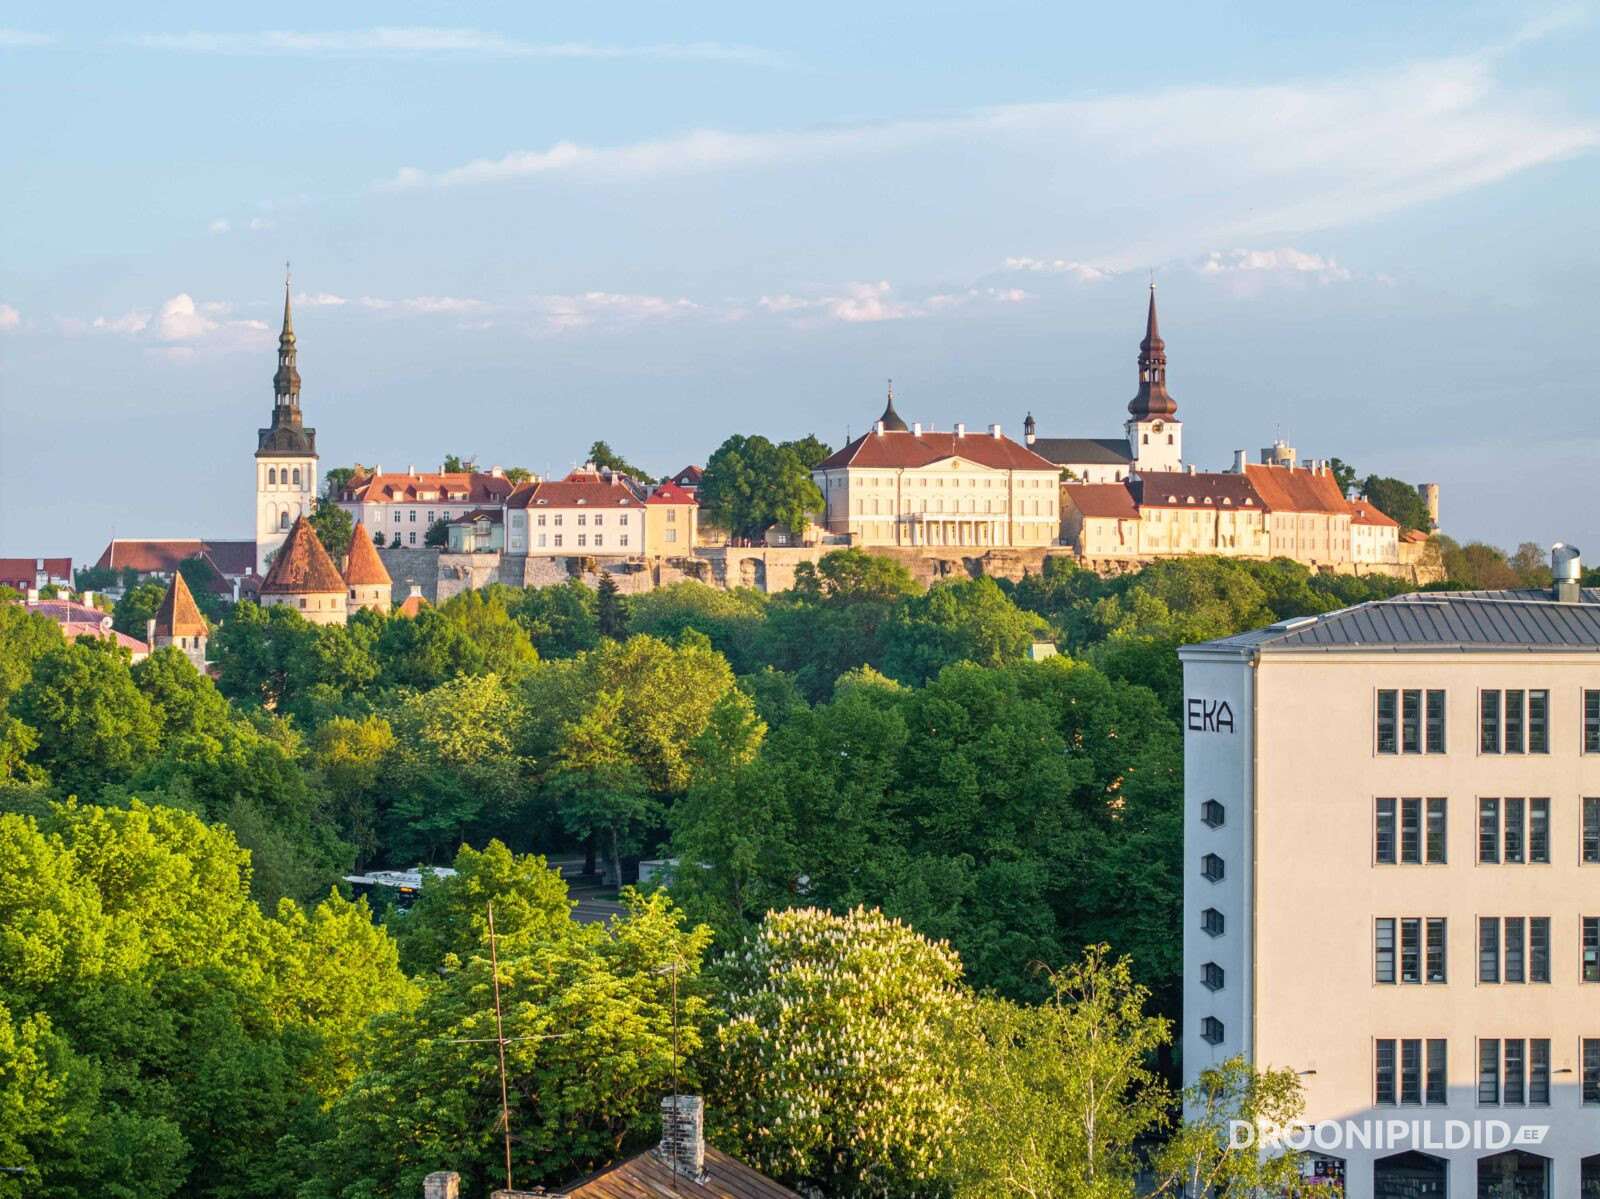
[
  {"x": 1566, "y": 568},
  {"x": 1238, "y": 462}
]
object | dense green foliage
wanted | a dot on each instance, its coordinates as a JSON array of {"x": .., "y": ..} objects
[
  {"x": 1399, "y": 501},
  {"x": 751, "y": 484}
]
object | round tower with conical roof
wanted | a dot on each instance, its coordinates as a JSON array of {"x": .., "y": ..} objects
[{"x": 365, "y": 577}]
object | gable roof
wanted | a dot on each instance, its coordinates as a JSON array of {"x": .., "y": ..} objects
[
  {"x": 162, "y": 556},
  {"x": 1364, "y": 512},
  {"x": 1087, "y": 451},
  {"x": 1519, "y": 619},
  {"x": 178, "y": 615},
  {"x": 689, "y": 476},
  {"x": 302, "y": 566},
  {"x": 1287, "y": 489},
  {"x": 671, "y": 493},
  {"x": 581, "y": 488},
  {"x": 891, "y": 450},
  {"x": 438, "y": 487},
  {"x": 1179, "y": 489},
  {"x": 646, "y": 1176},
  {"x": 29, "y": 568},
  {"x": 362, "y": 566},
  {"x": 1101, "y": 499}
]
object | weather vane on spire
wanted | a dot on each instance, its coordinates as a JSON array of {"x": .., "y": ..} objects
[
  {"x": 1152, "y": 278},
  {"x": 286, "y": 273}
]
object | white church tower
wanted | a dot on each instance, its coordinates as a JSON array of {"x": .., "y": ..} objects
[
  {"x": 286, "y": 454},
  {"x": 1155, "y": 435}
]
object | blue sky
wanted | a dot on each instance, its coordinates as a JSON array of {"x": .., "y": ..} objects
[{"x": 518, "y": 228}]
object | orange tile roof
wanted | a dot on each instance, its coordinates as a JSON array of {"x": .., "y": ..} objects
[
  {"x": 581, "y": 488},
  {"x": 1289, "y": 489},
  {"x": 363, "y": 567},
  {"x": 1101, "y": 499},
  {"x": 302, "y": 566},
  {"x": 890, "y": 450},
  {"x": 162, "y": 557},
  {"x": 460, "y": 487},
  {"x": 411, "y": 605},
  {"x": 646, "y": 1176},
  {"x": 178, "y": 615},
  {"x": 1364, "y": 512},
  {"x": 671, "y": 493}
]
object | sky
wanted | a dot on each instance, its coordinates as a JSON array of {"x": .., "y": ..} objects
[{"x": 1372, "y": 227}]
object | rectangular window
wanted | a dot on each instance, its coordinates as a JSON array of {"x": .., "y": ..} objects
[
  {"x": 623, "y": 520},
  {"x": 1411, "y": 831},
  {"x": 542, "y": 536},
  {"x": 1384, "y": 834},
  {"x": 1538, "y": 949},
  {"x": 1388, "y": 716},
  {"x": 397, "y": 516},
  {"x": 1383, "y": 1071},
  {"x": 1411, "y": 950},
  {"x": 1591, "y": 949},
  {"x": 1383, "y": 950},
  {"x": 624, "y": 541},
  {"x": 541, "y": 520},
  {"x": 599, "y": 518},
  {"x": 1591, "y": 829},
  {"x": 558, "y": 541},
  {"x": 1515, "y": 1078},
  {"x": 1411, "y": 1071},
  {"x": 1514, "y": 956},
  {"x": 1438, "y": 959},
  {"x": 1436, "y": 722},
  {"x": 1538, "y": 722},
  {"x": 1511, "y": 730},
  {"x": 1489, "y": 722},
  {"x": 1436, "y": 832},
  {"x": 583, "y": 519},
  {"x": 1591, "y": 722},
  {"x": 1488, "y": 830},
  {"x": 1438, "y": 1089},
  {"x": 411, "y": 514},
  {"x": 1591, "y": 1070},
  {"x": 583, "y": 538},
  {"x": 672, "y": 535},
  {"x": 1411, "y": 722},
  {"x": 1539, "y": 1072},
  {"x": 412, "y": 540},
  {"x": 1539, "y": 830},
  {"x": 1489, "y": 1071},
  {"x": 1488, "y": 949},
  {"x": 1512, "y": 844},
  {"x": 599, "y": 539},
  {"x": 556, "y": 520}
]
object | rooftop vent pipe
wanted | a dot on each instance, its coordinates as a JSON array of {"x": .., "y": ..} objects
[{"x": 1566, "y": 567}]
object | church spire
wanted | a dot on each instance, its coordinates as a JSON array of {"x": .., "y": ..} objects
[
  {"x": 890, "y": 420},
  {"x": 286, "y": 382},
  {"x": 1152, "y": 399}
]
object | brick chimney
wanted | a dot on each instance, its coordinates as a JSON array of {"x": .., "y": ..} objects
[{"x": 683, "y": 1140}]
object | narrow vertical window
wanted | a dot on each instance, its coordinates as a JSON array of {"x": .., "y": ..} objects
[
  {"x": 1514, "y": 954},
  {"x": 1591, "y": 949},
  {"x": 1539, "y": 1072},
  {"x": 1514, "y": 1080},
  {"x": 1489, "y": 722},
  {"x": 1387, "y": 717},
  {"x": 1411, "y": 831},
  {"x": 1538, "y": 949},
  {"x": 1489, "y": 1071},
  {"x": 1591, "y": 829},
  {"x": 1437, "y": 952},
  {"x": 1411, "y": 950},
  {"x": 1513, "y": 844},
  {"x": 1436, "y": 832},
  {"x": 1488, "y": 949},
  {"x": 1512, "y": 734},
  {"x": 1438, "y": 1090},
  {"x": 1436, "y": 722},
  {"x": 1488, "y": 830},
  {"x": 1538, "y": 722},
  {"x": 1383, "y": 950},
  {"x": 1591, "y": 1069},
  {"x": 1411, "y": 722},
  {"x": 1591, "y": 722},
  {"x": 1383, "y": 1072},
  {"x": 1539, "y": 830},
  {"x": 1384, "y": 834},
  {"x": 1411, "y": 1071}
]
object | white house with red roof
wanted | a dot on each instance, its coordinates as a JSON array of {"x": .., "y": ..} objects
[
  {"x": 403, "y": 506},
  {"x": 591, "y": 512},
  {"x": 906, "y": 485}
]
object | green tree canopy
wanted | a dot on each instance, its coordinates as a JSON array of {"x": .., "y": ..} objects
[
  {"x": 750, "y": 484},
  {"x": 1398, "y": 501},
  {"x": 334, "y": 528},
  {"x": 604, "y": 457}
]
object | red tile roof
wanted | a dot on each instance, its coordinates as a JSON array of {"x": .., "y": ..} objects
[
  {"x": 13, "y": 571},
  {"x": 363, "y": 567},
  {"x": 302, "y": 566},
  {"x": 79, "y": 620},
  {"x": 162, "y": 557},
  {"x": 1363, "y": 512},
  {"x": 178, "y": 615},
  {"x": 646, "y": 1176},
  {"x": 671, "y": 493},
  {"x": 411, "y": 605},
  {"x": 581, "y": 488},
  {"x": 890, "y": 450},
  {"x": 461, "y": 487},
  {"x": 689, "y": 476},
  {"x": 1288, "y": 489},
  {"x": 1179, "y": 489},
  {"x": 1101, "y": 499}
]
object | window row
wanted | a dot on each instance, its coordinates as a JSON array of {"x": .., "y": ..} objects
[
  {"x": 1414, "y": 950},
  {"x": 583, "y": 540},
  {"x": 1511, "y": 720},
  {"x": 1512, "y": 830},
  {"x": 1512, "y": 1072}
]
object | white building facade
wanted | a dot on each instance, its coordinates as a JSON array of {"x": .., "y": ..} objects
[{"x": 1392, "y": 884}]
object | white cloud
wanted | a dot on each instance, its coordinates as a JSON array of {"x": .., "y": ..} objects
[
  {"x": 181, "y": 320},
  {"x": 220, "y": 225},
  {"x": 864, "y": 302},
  {"x": 128, "y": 324},
  {"x": 10, "y": 318},
  {"x": 1082, "y": 271},
  {"x": 320, "y": 300},
  {"x": 1285, "y": 261},
  {"x": 423, "y": 305},
  {"x": 424, "y": 40},
  {"x": 1226, "y": 164},
  {"x": 22, "y": 37},
  {"x": 259, "y": 223}
]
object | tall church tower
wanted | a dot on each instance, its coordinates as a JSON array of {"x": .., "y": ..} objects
[
  {"x": 286, "y": 454},
  {"x": 1155, "y": 434}
]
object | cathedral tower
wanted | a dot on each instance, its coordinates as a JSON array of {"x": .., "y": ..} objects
[
  {"x": 286, "y": 454},
  {"x": 1154, "y": 433}
]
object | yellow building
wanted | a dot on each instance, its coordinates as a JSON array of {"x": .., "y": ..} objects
[
  {"x": 671, "y": 518},
  {"x": 905, "y": 485}
]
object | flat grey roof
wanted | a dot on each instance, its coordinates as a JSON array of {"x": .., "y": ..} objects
[{"x": 1437, "y": 620}]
